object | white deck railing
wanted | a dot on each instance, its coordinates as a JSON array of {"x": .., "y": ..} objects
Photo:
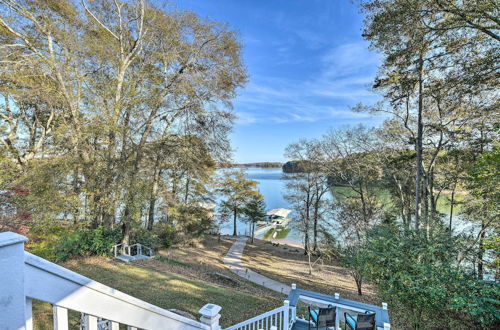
[
  {"x": 24, "y": 277},
  {"x": 278, "y": 319}
]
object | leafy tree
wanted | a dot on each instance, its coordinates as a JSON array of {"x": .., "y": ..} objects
[
  {"x": 355, "y": 258},
  {"x": 482, "y": 204},
  {"x": 254, "y": 212},
  {"x": 307, "y": 188},
  {"x": 352, "y": 163},
  {"x": 96, "y": 88},
  {"x": 237, "y": 191},
  {"x": 437, "y": 77}
]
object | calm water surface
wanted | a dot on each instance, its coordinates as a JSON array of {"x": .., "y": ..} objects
[{"x": 273, "y": 187}]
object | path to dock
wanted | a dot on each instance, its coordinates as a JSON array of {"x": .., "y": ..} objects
[{"x": 233, "y": 261}]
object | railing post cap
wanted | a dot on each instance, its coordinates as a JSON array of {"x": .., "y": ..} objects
[
  {"x": 286, "y": 302},
  {"x": 387, "y": 326},
  {"x": 10, "y": 238},
  {"x": 294, "y": 286},
  {"x": 337, "y": 295},
  {"x": 384, "y": 305},
  {"x": 210, "y": 310}
]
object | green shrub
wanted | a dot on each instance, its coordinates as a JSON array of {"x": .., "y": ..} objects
[
  {"x": 420, "y": 275},
  {"x": 145, "y": 237},
  {"x": 87, "y": 242},
  {"x": 186, "y": 223},
  {"x": 44, "y": 237},
  {"x": 166, "y": 234}
]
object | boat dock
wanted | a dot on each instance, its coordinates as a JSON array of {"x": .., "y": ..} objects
[{"x": 277, "y": 218}]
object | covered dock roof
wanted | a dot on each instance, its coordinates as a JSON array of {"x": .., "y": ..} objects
[{"x": 279, "y": 212}]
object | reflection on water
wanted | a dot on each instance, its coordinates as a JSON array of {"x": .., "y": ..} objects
[{"x": 280, "y": 233}]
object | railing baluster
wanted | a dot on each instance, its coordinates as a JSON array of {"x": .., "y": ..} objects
[
  {"x": 28, "y": 308},
  {"x": 91, "y": 322},
  {"x": 115, "y": 325},
  {"x": 60, "y": 318}
]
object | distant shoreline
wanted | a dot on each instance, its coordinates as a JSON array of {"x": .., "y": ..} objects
[{"x": 248, "y": 165}]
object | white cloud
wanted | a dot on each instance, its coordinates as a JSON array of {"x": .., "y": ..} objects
[
  {"x": 348, "y": 59},
  {"x": 244, "y": 118},
  {"x": 344, "y": 78}
]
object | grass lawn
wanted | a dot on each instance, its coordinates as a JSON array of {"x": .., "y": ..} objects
[{"x": 181, "y": 283}]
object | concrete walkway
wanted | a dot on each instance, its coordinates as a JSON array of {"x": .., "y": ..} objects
[{"x": 233, "y": 260}]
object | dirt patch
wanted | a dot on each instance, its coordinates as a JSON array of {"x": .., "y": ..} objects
[{"x": 288, "y": 264}]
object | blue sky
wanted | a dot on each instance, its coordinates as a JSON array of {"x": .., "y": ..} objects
[{"x": 307, "y": 64}]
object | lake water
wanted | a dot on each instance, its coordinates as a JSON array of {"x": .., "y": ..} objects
[{"x": 273, "y": 188}]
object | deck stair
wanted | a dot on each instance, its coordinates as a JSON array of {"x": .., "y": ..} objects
[
  {"x": 132, "y": 252},
  {"x": 26, "y": 277}
]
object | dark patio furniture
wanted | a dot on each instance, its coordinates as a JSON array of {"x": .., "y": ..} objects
[
  {"x": 322, "y": 317},
  {"x": 360, "y": 321}
]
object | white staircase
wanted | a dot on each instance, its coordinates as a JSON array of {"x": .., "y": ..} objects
[
  {"x": 24, "y": 277},
  {"x": 132, "y": 252}
]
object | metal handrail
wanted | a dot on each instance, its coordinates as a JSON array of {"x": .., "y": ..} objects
[
  {"x": 115, "y": 249},
  {"x": 127, "y": 249},
  {"x": 141, "y": 247}
]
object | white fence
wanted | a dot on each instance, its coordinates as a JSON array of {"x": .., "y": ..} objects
[
  {"x": 278, "y": 319},
  {"x": 24, "y": 277}
]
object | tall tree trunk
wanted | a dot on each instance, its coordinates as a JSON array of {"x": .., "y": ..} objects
[
  {"x": 402, "y": 202},
  {"x": 152, "y": 197},
  {"x": 307, "y": 223},
  {"x": 235, "y": 215},
  {"x": 480, "y": 254},
  {"x": 76, "y": 190},
  {"x": 151, "y": 213},
  {"x": 363, "y": 203},
  {"x": 186, "y": 192},
  {"x": 315, "y": 227},
  {"x": 125, "y": 227},
  {"x": 451, "y": 207},
  {"x": 425, "y": 197},
  {"x": 420, "y": 131},
  {"x": 431, "y": 195},
  {"x": 306, "y": 240},
  {"x": 408, "y": 210},
  {"x": 358, "y": 278}
]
